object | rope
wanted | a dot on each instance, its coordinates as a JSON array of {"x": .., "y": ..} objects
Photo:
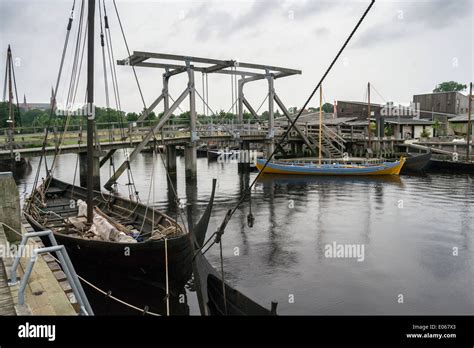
[
  {"x": 372, "y": 87},
  {"x": 223, "y": 278},
  {"x": 263, "y": 102},
  {"x": 71, "y": 93},
  {"x": 300, "y": 112},
  {"x": 16, "y": 94},
  {"x": 108, "y": 294},
  {"x": 5, "y": 82},
  {"x": 45, "y": 140}
]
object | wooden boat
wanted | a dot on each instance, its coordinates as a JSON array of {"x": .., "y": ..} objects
[
  {"x": 54, "y": 207},
  {"x": 208, "y": 281},
  {"x": 416, "y": 163},
  {"x": 444, "y": 166},
  {"x": 386, "y": 168},
  {"x": 21, "y": 166}
]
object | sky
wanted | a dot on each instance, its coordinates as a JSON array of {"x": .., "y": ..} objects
[{"x": 402, "y": 48}]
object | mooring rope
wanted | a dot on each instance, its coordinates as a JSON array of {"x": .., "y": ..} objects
[
  {"x": 108, "y": 293},
  {"x": 287, "y": 132}
]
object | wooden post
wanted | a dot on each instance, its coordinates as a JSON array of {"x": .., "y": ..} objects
[
  {"x": 320, "y": 121},
  {"x": 469, "y": 126},
  {"x": 167, "y": 287},
  {"x": 368, "y": 115}
]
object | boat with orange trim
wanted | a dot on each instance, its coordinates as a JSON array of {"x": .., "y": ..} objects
[{"x": 305, "y": 168}]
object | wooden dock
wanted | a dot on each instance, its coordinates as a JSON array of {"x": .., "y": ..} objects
[
  {"x": 47, "y": 293},
  {"x": 7, "y": 306}
]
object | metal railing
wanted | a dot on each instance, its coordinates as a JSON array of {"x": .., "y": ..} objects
[{"x": 65, "y": 261}]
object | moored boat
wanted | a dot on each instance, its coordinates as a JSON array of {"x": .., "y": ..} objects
[
  {"x": 135, "y": 247},
  {"x": 416, "y": 163},
  {"x": 216, "y": 297},
  {"x": 305, "y": 168}
]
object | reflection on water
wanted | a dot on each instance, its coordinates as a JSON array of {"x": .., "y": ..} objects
[{"x": 409, "y": 226}]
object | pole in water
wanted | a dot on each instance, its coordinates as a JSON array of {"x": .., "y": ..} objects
[
  {"x": 90, "y": 110},
  {"x": 320, "y": 120},
  {"x": 368, "y": 116},
  {"x": 167, "y": 284},
  {"x": 469, "y": 124}
]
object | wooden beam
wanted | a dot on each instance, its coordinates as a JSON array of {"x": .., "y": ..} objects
[
  {"x": 300, "y": 132},
  {"x": 144, "y": 142}
]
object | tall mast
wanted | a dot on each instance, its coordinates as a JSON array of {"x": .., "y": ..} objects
[
  {"x": 469, "y": 125},
  {"x": 320, "y": 120},
  {"x": 90, "y": 109},
  {"x": 368, "y": 114},
  {"x": 11, "y": 116}
]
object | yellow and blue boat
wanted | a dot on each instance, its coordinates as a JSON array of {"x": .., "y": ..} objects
[{"x": 296, "y": 168}]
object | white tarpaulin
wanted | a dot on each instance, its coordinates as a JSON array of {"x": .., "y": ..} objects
[{"x": 103, "y": 228}]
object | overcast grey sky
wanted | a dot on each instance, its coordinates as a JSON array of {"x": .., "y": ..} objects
[{"x": 403, "y": 47}]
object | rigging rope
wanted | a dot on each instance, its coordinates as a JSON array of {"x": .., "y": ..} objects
[
  {"x": 16, "y": 94},
  {"x": 108, "y": 293},
  {"x": 232, "y": 211},
  {"x": 45, "y": 140}
]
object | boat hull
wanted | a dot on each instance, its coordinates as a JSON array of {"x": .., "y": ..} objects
[
  {"x": 208, "y": 282},
  {"x": 416, "y": 163},
  {"x": 441, "y": 166},
  {"x": 112, "y": 264},
  {"x": 387, "y": 168}
]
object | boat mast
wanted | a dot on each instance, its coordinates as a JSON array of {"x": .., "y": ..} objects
[
  {"x": 469, "y": 125},
  {"x": 320, "y": 120},
  {"x": 368, "y": 115},
  {"x": 11, "y": 117},
  {"x": 90, "y": 109}
]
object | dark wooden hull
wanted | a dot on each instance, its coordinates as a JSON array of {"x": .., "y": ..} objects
[
  {"x": 112, "y": 264},
  {"x": 416, "y": 163},
  {"x": 208, "y": 282},
  {"x": 441, "y": 166},
  {"x": 17, "y": 167}
]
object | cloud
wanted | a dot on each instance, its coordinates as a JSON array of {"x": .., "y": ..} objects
[
  {"x": 303, "y": 9},
  {"x": 404, "y": 19},
  {"x": 214, "y": 22}
]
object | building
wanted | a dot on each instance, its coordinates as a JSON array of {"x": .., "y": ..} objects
[
  {"x": 357, "y": 109},
  {"x": 441, "y": 105},
  {"x": 37, "y": 106},
  {"x": 458, "y": 125},
  {"x": 409, "y": 128}
]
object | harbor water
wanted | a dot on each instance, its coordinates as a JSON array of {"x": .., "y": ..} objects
[{"x": 416, "y": 233}]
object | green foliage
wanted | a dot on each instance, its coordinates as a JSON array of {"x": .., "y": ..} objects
[
  {"x": 328, "y": 107},
  {"x": 373, "y": 126},
  {"x": 450, "y": 86},
  {"x": 4, "y": 114},
  {"x": 425, "y": 133},
  {"x": 293, "y": 110},
  {"x": 131, "y": 116},
  {"x": 388, "y": 131}
]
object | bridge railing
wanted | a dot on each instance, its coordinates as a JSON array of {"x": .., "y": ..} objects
[{"x": 33, "y": 136}]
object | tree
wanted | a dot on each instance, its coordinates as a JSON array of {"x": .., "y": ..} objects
[
  {"x": 425, "y": 133},
  {"x": 450, "y": 86},
  {"x": 293, "y": 110},
  {"x": 132, "y": 116},
  {"x": 328, "y": 107}
]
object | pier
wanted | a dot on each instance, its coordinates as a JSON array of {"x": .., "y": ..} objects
[{"x": 48, "y": 291}]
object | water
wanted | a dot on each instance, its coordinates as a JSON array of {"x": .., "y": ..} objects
[{"x": 408, "y": 225}]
